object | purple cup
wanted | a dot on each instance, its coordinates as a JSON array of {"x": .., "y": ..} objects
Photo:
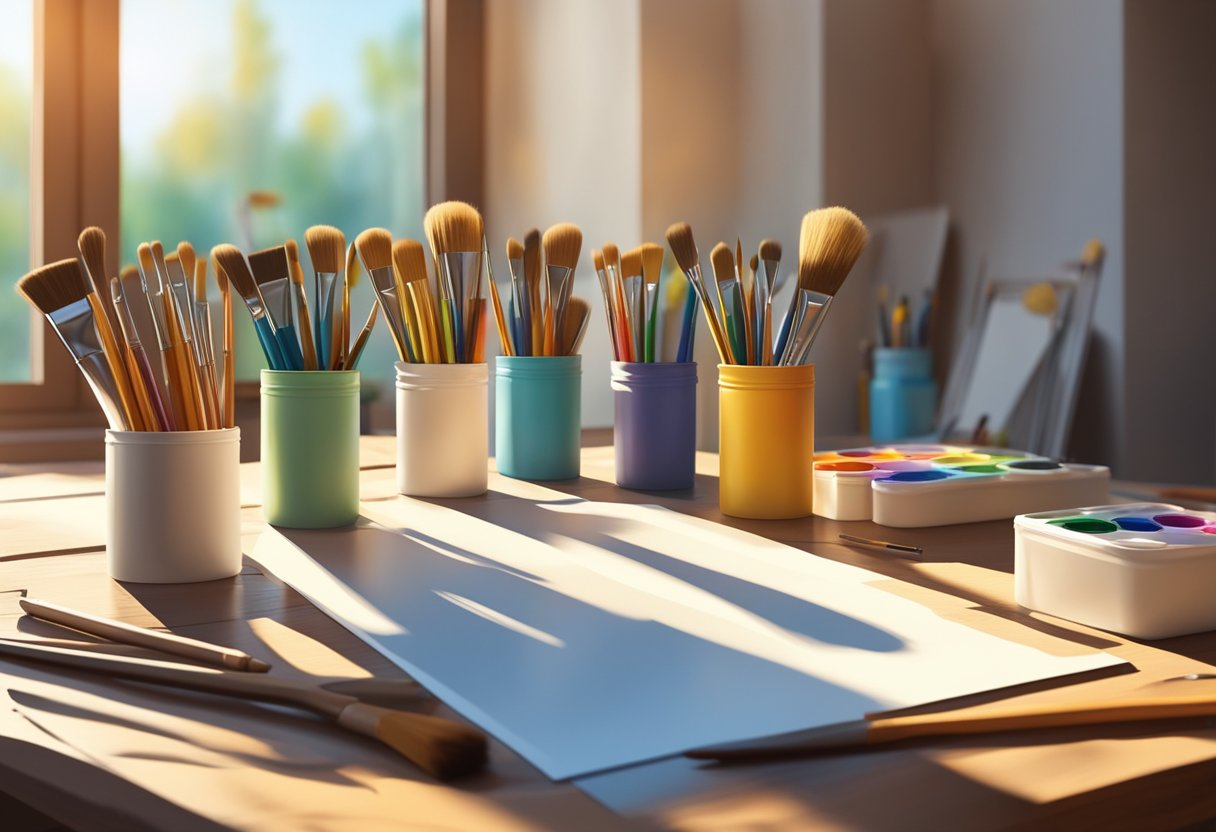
[{"x": 655, "y": 424}]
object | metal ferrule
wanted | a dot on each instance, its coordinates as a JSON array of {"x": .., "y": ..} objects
[
  {"x": 203, "y": 344},
  {"x": 385, "y": 282},
  {"x": 523, "y": 308},
  {"x": 156, "y": 306},
  {"x": 766, "y": 279},
  {"x": 461, "y": 272},
  {"x": 633, "y": 299},
  {"x": 77, "y": 328},
  {"x": 324, "y": 283},
  {"x": 182, "y": 300},
  {"x": 276, "y": 294},
  {"x": 808, "y": 317},
  {"x": 123, "y": 312},
  {"x": 561, "y": 277}
]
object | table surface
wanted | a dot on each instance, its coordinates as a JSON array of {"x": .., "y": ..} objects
[{"x": 51, "y": 545}]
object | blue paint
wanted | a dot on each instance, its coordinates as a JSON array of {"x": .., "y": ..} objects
[
  {"x": 1137, "y": 524},
  {"x": 917, "y": 476}
]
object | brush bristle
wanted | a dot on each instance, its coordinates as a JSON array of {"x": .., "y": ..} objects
[
  {"x": 293, "y": 262},
  {"x": 441, "y": 747},
  {"x": 831, "y": 241},
  {"x": 269, "y": 264},
  {"x": 92, "y": 246},
  {"x": 147, "y": 268},
  {"x": 232, "y": 264},
  {"x": 612, "y": 255},
  {"x": 375, "y": 246},
  {"x": 679, "y": 238},
  {"x": 200, "y": 280},
  {"x": 597, "y": 257},
  {"x": 723, "y": 261},
  {"x": 515, "y": 249},
  {"x": 185, "y": 253},
  {"x": 221, "y": 278},
  {"x": 326, "y": 247},
  {"x": 562, "y": 244},
  {"x": 652, "y": 261},
  {"x": 453, "y": 226},
  {"x": 353, "y": 270},
  {"x": 55, "y": 285},
  {"x": 128, "y": 272},
  {"x": 631, "y": 263},
  {"x": 753, "y": 264},
  {"x": 410, "y": 260},
  {"x": 577, "y": 311},
  {"x": 770, "y": 250},
  {"x": 532, "y": 257}
]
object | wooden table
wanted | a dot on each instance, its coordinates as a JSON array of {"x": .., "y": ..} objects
[{"x": 1137, "y": 776}]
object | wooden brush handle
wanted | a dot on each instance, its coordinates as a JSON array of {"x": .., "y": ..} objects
[{"x": 222, "y": 682}]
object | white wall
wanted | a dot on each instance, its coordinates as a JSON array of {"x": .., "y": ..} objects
[{"x": 1028, "y": 126}]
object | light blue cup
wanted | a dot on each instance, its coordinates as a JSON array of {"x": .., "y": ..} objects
[
  {"x": 537, "y": 416},
  {"x": 903, "y": 395}
]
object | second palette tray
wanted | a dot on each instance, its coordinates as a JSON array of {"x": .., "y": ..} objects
[{"x": 910, "y": 486}]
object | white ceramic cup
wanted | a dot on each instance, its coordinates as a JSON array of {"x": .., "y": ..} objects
[
  {"x": 442, "y": 429},
  {"x": 173, "y": 505}
]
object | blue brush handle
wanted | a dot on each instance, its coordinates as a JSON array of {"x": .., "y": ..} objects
[
  {"x": 322, "y": 327},
  {"x": 289, "y": 347},
  {"x": 269, "y": 346},
  {"x": 689, "y": 329}
]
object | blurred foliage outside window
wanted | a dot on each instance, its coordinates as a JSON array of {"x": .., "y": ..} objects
[
  {"x": 16, "y": 87},
  {"x": 318, "y": 104}
]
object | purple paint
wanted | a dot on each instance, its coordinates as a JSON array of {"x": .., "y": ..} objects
[
  {"x": 655, "y": 424},
  {"x": 1181, "y": 521}
]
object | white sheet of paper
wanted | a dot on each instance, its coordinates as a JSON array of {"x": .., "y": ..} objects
[{"x": 589, "y": 635}]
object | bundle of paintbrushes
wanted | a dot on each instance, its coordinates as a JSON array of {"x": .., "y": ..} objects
[
  {"x": 541, "y": 318},
  {"x": 176, "y": 388},
  {"x": 629, "y": 283},
  {"x": 739, "y": 309}
]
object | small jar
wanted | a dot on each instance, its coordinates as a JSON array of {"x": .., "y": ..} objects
[
  {"x": 655, "y": 424},
  {"x": 173, "y": 505},
  {"x": 442, "y": 429},
  {"x": 310, "y": 448},
  {"x": 538, "y": 417},
  {"x": 766, "y": 441},
  {"x": 903, "y": 395}
]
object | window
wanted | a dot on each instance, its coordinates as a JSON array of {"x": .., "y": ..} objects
[
  {"x": 317, "y": 105},
  {"x": 16, "y": 91}
]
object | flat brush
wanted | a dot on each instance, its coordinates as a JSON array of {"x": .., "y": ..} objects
[
  {"x": 410, "y": 261},
  {"x": 532, "y": 269},
  {"x": 521, "y": 322},
  {"x": 440, "y": 747},
  {"x": 500, "y": 320},
  {"x": 768, "y": 262},
  {"x": 620, "y": 309},
  {"x": 746, "y": 288},
  {"x": 652, "y": 270},
  {"x": 296, "y": 273},
  {"x": 92, "y": 246},
  {"x": 874, "y": 731},
  {"x": 174, "y": 349},
  {"x": 680, "y": 239},
  {"x": 236, "y": 269},
  {"x": 727, "y": 278},
  {"x": 60, "y": 292},
  {"x": 578, "y": 315},
  {"x": 273, "y": 275},
  {"x": 562, "y": 244},
  {"x": 375, "y": 247},
  {"x": 326, "y": 248},
  {"x": 455, "y": 231},
  {"x": 228, "y": 375},
  {"x": 205, "y": 343},
  {"x": 631, "y": 285},
  {"x": 147, "y": 393},
  {"x": 597, "y": 258}
]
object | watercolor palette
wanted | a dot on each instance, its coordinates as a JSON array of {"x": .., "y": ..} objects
[
  {"x": 1147, "y": 570},
  {"x": 911, "y": 486}
]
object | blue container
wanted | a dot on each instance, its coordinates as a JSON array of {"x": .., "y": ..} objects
[
  {"x": 655, "y": 425},
  {"x": 903, "y": 395},
  {"x": 537, "y": 416}
]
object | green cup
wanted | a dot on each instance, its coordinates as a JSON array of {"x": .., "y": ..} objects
[
  {"x": 310, "y": 448},
  {"x": 537, "y": 419}
]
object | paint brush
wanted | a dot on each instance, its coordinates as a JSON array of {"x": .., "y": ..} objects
[
  {"x": 688, "y": 324},
  {"x": 652, "y": 271},
  {"x": 456, "y": 231},
  {"x": 375, "y": 247},
  {"x": 597, "y": 260},
  {"x": 350, "y": 279},
  {"x": 520, "y": 299},
  {"x": 499, "y": 319},
  {"x": 205, "y": 345},
  {"x": 182, "y": 323},
  {"x": 141, "y": 322},
  {"x": 410, "y": 261},
  {"x": 620, "y": 313},
  {"x": 228, "y": 376},
  {"x": 722, "y": 260},
  {"x": 296, "y": 273},
  {"x": 326, "y": 247},
  {"x": 746, "y": 287},
  {"x": 232, "y": 261},
  {"x": 532, "y": 281},
  {"x": 139, "y": 369},
  {"x": 578, "y": 315},
  {"x": 631, "y": 285},
  {"x": 562, "y": 244},
  {"x": 60, "y": 291},
  {"x": 92, "y": 246},
  {"x": 175, "y": 354},
  {"x": 766, "y": 283},
  {"x": 831, "y": 241},
  {"x": 442, "y": 748},
  {"x": 273, "y": 276},
  {"x": 356, "y": 351},
  {"x": 684, "y": 247}
]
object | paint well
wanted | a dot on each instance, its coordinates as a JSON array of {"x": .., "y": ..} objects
[
  {"x": 903, "y": 465},
  {"x": 982, "y": 469},
  {"x": 961, "y": 459},
  {"x": 843, "y": 466},
  {"x": 1034, "y": 465},
  {"x": 1181, "y": 521},
  {"x": 1086, "y": 525},
  {"x": 917, "y": 476},
  {"x": 1137, "y": 524}
]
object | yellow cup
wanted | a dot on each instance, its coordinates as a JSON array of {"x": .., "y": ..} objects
[{"x": 766, "y": 441}]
